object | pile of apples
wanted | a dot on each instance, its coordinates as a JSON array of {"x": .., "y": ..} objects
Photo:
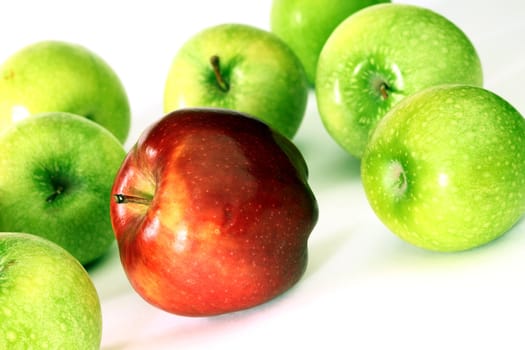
[
  {"x": 442, "y": 160},
  {"x": 211, "y": 207}
]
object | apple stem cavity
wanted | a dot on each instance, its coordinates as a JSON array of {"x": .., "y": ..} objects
[
  {"x": 215, "y": 64},
  {"x": 396, "y": 179},
  {"x": 124, "y": 199},
  {"x": 382, "y": 87}
]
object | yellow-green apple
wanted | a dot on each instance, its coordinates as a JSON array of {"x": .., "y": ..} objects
[
  {"x": 212, "y": 212},
  {"x": 445, "y": 168},
  {"x": 47, "y": 299},
  {"x": 57, "y": 76},
  {"x": 305, "y": 25},
  {"x": 378, "y": 56},
  {"x": 240, "y": 67},
  {"x": 56, "y": 178}
]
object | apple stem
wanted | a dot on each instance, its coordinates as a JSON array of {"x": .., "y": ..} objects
[
  {"x": 215, "y": 64},
  {"x": 58, "y": 191},
  {"x": 383, "y": 90},
  {"x": 123, "y": 199}
]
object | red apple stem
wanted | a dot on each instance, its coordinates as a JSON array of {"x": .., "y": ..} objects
[
  {"x": 216, "y": 65},
  {"x": 123, "y": 199}
]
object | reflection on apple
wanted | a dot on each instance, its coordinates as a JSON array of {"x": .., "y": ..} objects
[{"x": 212, "y": 213}]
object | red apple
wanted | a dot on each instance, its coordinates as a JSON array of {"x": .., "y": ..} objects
[{"x": 212, "y": 212}]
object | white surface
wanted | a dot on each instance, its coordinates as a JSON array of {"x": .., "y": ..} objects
[{"x": 364, "y": 288}]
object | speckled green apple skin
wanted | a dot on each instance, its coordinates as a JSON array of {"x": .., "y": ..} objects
[
  {"x": 305, "y": 25},
  {"x": 47, "y": 299},
  {"x": 41, "y": 153},
  {"x": 51, "y": 76},
  {"x": 266, "y": 78},
  {"x": 408, "y": 47},
  {"x": 445, "y": 168}
]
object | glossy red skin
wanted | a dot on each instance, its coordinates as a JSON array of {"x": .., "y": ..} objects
[{"x": 229, "y": 219}]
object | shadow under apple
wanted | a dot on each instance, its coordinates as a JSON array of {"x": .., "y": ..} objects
[
  {"x": 103, "y": 260},
  {"x": 321, "y": 251},
  {"x": 411, "y": 262}
]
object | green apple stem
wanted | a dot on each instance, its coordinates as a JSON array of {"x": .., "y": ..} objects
[
  {"x": 215, "y": 64},
  {"x": 58, "y": 191},
  {"x": 123, "y": 199}
]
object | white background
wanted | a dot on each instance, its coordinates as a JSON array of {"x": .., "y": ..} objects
[{"x": 364, "y": 288}]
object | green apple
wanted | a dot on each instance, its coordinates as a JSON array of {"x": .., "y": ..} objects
[
  {"x": 56, "y": 178},
  {"x": 305, "y": 25},
  {"x": 47, "y": 299},
  {"x": 445, "y": 168},
  {"x": 49, "y": 76},
  {"x": 378, "y": 56},
  {"x": 239, "y": 67}
]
